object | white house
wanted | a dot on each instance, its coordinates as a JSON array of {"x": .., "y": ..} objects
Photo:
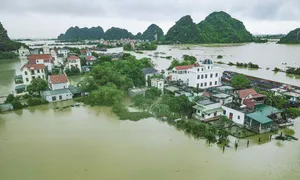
[
  {"x": 58, "y": 82},
  {"x": 32, "y": 71},
  {"x": 90, "y": 60},
  {"x": 46, "y": 49},
  {"x": 236, "y": 114},
  {"x": 23, "y": 52},
  {"x": 73, "y": 61},
  {"x": 158, "y": 83},
  {"x": 53, "y": 54},
  {"x": 63, "y": 52},
  {"x": 207, "y": 110},
  {"x": 59, "y": 86},
  {"x": 45, "y": 59},
  {"x": 204, "y": 75},
  {"x": 148, "y": 73}
]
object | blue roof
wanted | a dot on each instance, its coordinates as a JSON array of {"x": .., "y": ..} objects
[{"x": 259, "y": 117}]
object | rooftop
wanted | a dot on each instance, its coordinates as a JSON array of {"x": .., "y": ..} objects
[
  {"x": 224, "y": 88},
  {"x": 221, "y": 96},
  {"x": 259, "y": 117},
  {"x": 70, "y": 58},
  {"x": 33, "y": 66},
  {"x": 186, "y": 67},
  {"x": 39, "y": 56},
  {"x": 90, "y": 58},
  {"x": 57, "y": 79},
  {"x": 244, "y": 93},
  {"x": 266, "y": 110},
  {"x": 149, "y": 70}
]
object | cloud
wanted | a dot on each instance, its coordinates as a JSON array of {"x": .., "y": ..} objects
[{"x": 46, "y": 18}]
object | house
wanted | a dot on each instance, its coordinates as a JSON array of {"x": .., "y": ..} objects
[
  {"x": 53, "y": 53},
  {"x": 63, "y": 52},
  {"x": 207, "y": 110},
  {"x": 59, "y": 89},
  {"x": 149, "y": 72},
  {"x": 222, "y": 98},
  {"x": 249, "y": 97},
  {"x": 236, "y": 112},
  {"x": 32, "y": 71},
  {"x": 158, "y": 83},
  {"x": 85, "y": 52},
  {"x": 90, "y": 60},
  {"x": 58, "y": 82},
  {"x": 74, "y": 61},
  {"x": 199, "y": 75},
  {"x": 23, "y": 52},
  {"x": 261, "y": 121},
  {"x": 45, "y": 59},
  {"x": 46, "y": 50}
]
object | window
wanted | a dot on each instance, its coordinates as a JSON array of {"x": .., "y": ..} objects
[
  {"x": 207, "y": 67},
  {"x": 201, "y": 84},
  {"x": 33, "y": 77},
  {"x": 42, "y": 70},
  {"x": 197, "y": 85},
  {"x": 25, "y": 72},
  {"x": 230, "y": 116},
  {"x": 53, "y": 98},
  {"x": 239, "y": 117},
  {"x": 198, "y": 69},
  {"x": 38, "y": 71},
  {"x": 202, "y": 69},
  {"x": 39, "y": 76},
  {"x": 216, "y": 74},
  {"x": 216, "y": 82},
  {"x": 60, "y": 97},
  {"x": 208, "y": 114},
  {"x": 32, "y": 71},
  {"x": 224, "y": 112},
  {"x": 202, "y": 76},
  {"x": 215, "y": 114},
  {"x": 27, "y": 79},
  {"x": 205, "y": 84},
  {"x": 203, "y": 116},
  {"x": 205, "y": 76},
  {"x": 198, "y": 111},
  {"x": 210, "y": 83},
  {"x": 211, "y": 75},
  {"x": 43, "y": 77},
  {"x": 198, "y": 77}
]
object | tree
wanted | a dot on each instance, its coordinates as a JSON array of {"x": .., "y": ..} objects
[
  {"x": 160, "y": 110},
  {"x": 240, "y": 81},
  {"x": 225, "y": 121},
  {"x": 223, "y": 134},
  {"x": 14, "y": 101},
  {"x": 88, "y": 84},
  {"x": 36, "y": 86},
  {"x": 292, "y": 113},
  {"x": 72, "y": 71},
  {"x": 152, "y": 93},
  {"x": 107, "y": 95},
  {"x": 141, "y": 101}
]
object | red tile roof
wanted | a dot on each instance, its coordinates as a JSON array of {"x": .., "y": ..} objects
[
  {"x": 90, "y": 58},
  {"x": 244, "y": 93},
  {"x": 179, "y": 68},
  {"x": 33, "y": 66},
  {"x": 83, "y": 51},
  {"x": 70, "y": 58},
  {"x": 46, "y": 57},
  {"x": 57, "y": 79}
]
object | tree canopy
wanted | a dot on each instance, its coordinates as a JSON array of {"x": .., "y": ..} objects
[
  {"x": 36, "y": 86},
  {"x": 115, "y": 33},
  {"x": 292, "y": 37},
  {"x": 240, "y": 81},
  {"x": 152, "y": 33},
  {"x": 76, "y": 33},
  {"x": 7, "y": 45}
]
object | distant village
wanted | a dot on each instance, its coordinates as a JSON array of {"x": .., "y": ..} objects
[{"x": 245, "y": 107}]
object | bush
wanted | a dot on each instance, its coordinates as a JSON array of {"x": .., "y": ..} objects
[
  {"x": 33, "y": 101},
  {"x": 152, "y": 93}
]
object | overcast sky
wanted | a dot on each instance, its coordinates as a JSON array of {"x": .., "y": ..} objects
[{"x": 47, "y": 19}]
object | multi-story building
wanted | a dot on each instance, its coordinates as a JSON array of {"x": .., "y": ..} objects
[
  {"x": 73, "y": 61},
  {"x": 23, "y": 52},
  {"x": 199, "y": 75},
  {"x": 90, "y": 60},
  {"x": 32, "y": 71},
  {"x": 63, "y": 52},
  {"x": 45, "y": 59}
]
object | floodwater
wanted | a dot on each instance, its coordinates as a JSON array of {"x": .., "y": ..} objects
[{"x": 91, "y": 143}]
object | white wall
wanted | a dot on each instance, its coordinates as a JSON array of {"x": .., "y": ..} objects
[
  {"x": 28, "y": 78},
  {"x": 74, "y": 63},
  {"x": 59, "y": 86},
  {"x": 238, "y": 117},
  {"x": 158, "y": 83},
  {"x": 65, "y": 96}
]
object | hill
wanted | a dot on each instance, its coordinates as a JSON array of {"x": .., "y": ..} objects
[
  {"x": 76, "y": 33},
  {"x": 220, "y": 27},
  {"x": 115, "y": 33},
  {"x": 152, "y": 33},
  {"x": 184, "y": 31},
  {"x": 292, "y": 37}
]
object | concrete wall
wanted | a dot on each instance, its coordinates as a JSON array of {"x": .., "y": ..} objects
[
  {"x": 28, "y": 78},
  {"x": 64, "y": 96},
  {"x": 59, "y": 86},
  {"x": 238, "y": 117}
]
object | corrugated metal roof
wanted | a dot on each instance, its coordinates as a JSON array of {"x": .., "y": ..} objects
[{"x": 259, "y": 117}]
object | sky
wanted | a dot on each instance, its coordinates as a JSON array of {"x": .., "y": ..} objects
[{"x": 48, "y": 19}]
